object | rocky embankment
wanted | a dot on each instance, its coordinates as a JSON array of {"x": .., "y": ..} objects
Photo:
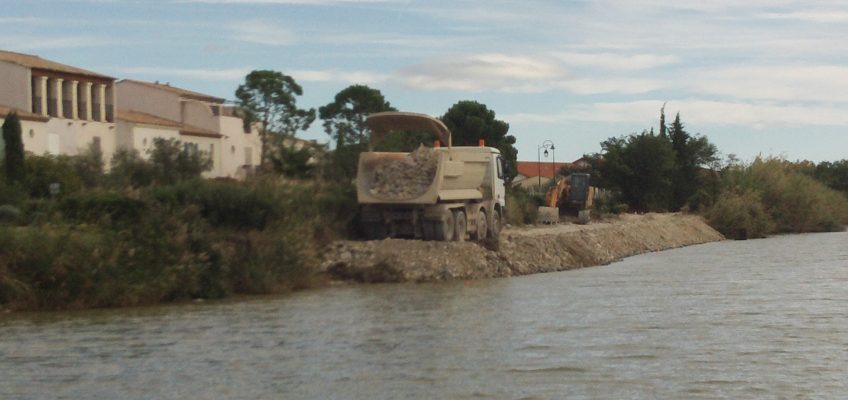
[{"x": 520, "y": 251}]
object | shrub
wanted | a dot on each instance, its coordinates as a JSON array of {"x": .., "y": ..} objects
[
  {"x": 742, "y": 215},
  {"x": 9, "y": 214},
  {"x": 222, "y": 204},
  {"x": 11, "y": 193},
  {"x": 128, "y": 169},
  {"x": 41, "y": 171},
  {"x": 174, "y": 161},
  {"x": 97, "y": 206},
  {"x": 89, "y": 166},
  {"x": 521, "y": 206},
  {"x": 792, "y": 200}
]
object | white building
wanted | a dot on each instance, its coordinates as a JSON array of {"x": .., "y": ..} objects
[
  {"x": 64, "y": 109},
  {"x": 201, "y": 122}
]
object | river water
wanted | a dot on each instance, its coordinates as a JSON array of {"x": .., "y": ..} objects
[{"x": 735, "y": 319}]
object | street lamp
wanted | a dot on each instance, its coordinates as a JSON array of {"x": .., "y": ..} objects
[{"x": 547, "y": 144}]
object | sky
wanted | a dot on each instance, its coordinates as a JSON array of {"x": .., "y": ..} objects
[{"x": 755, "y": 77}]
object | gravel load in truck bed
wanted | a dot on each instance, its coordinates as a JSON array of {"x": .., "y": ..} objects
[{"x": 406, "y": 178}]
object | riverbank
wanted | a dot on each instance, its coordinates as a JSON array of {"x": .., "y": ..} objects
[{"x": 521, "y": 251}]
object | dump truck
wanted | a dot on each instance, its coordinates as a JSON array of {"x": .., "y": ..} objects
[{"x": 432, "y": 193}]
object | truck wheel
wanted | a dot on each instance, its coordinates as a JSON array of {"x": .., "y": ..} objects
[
  {"x": 444, "y": 228},
  {"x": 461, "y": 226},
  {"x": 428, "y": 230},
  {"x": 480, "y": 233},
  {"x": 374, "y": 230},
  {"x": 495, "y": 229}
]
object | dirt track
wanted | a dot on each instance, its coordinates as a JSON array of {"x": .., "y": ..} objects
[{"x": 521, "y": 251}]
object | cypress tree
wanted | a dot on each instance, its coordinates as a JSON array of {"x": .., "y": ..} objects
[{"x": 14, "y": 160}]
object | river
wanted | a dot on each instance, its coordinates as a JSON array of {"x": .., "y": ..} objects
[{"x": 735, "y": 319}]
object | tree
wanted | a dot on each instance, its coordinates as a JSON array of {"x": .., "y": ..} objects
[
  {"x": 470, "y": 121},
  {"x": 174, "y": 162},
  {"x": 295, "y": 160},
  {"x": 691, "y": 154},
  {"x": 14, "y": 160},
  {"x": 344, "y": 118},
  {"x": 640, "y": 168},
  {"x": 269, "y": 97}
]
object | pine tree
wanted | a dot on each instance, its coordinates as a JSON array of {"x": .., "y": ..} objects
[{"x": 14, "y": 160}]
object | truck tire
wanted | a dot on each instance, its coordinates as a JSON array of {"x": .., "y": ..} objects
[
  {"x": 445, "y": 227},
  {"x": 374, "y": 230},
  {"x": 495, "y": 226},
  {"x": 428, "y": 230},
  {"x": 480, "y": 233},
  {"x": 460, "y": 226}
]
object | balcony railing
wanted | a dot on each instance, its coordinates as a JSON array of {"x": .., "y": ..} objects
[
  {"x": 67, "y": 111},
  {"x": 51, "y": 107},
  {"x": 110, "y": 113},
  {"x": 81, "y": 107},
  {"x": 95, "y": 111}
]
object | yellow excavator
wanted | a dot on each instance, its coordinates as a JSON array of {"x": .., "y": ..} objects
[{"x": 572, "y": 194}]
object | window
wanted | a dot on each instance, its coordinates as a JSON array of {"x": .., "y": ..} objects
[
  {"x": 500, "y": 166},
  {"x": 248, "y": 156},
  {"x": 31, "y": 133},
  {"x": 95, "y": 141},
  {"x": 190, "y": 148}
]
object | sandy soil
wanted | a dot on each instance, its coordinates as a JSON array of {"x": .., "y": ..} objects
[{"x": 520, "y": 251}]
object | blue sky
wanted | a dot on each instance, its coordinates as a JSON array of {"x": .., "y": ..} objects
[{"x": 755, "y": 77}]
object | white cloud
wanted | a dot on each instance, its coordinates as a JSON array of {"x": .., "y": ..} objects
[
  {"x": 514, "y": 74},
  {"x": 35, "y": 43},
  {"x": 496, "y": 72},
  {"x": 292, "y": 2},
  {"x": 614, "y": 61},
  {"x": 261, "y": 32},
  {"x": 773, "y": 82},
  {"x": 829, "y": 16},
  {"x": 337, "y": 76},
  {"x": 193, "y": 73},
  {"x": 644, "y": 113}
]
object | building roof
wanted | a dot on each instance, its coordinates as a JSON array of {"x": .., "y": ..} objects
[
  {"x": 144, "y": 118},
  {"x": 23, "y": 115},
  {"x": 139, "y": 117},
  {"x": 36, "y": 62},
  {"x": 546, "y": 169},
  {"x": 188, "y": 130},
  {"x": 184, "y": 93}
]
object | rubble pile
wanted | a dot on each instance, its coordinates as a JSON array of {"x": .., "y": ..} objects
[
  {"x": 406, "y": 178},
  {"x": 520, "y": 251}
]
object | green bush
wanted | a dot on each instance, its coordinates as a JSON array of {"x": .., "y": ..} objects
[
  {"x": 223, "y": 204},
  {"x": 11, "y": 194},
  {"x": 741, "y": 216},
  {"x": 128, "y": 169},
  {"x": 522, "y": 207},
  {"x": 41, "y": 171},
  {"x": 96, "y": 206},
  {"x": 791, "y": 200},
  {"x": 9, "y": 214},
  {"x": 89, "y": 166},
  {"x": 174, "y": 161}
]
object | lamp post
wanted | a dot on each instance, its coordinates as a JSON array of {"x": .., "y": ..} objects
[{"x": 547, "y": 144}]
